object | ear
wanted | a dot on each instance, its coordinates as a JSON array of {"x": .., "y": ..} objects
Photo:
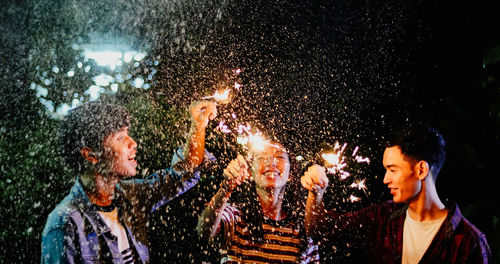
[
  {"x": 422, "y": 169},
  {"x": 89, "y": 155}
]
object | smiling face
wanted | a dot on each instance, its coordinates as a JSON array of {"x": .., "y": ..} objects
[
  {"x": 271, "y": 167},
  {"x": 119, "y": 153},
  {"x": 400, "y": 176}
]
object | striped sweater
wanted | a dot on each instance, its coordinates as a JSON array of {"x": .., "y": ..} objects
[{"x": 281, "y": 243}]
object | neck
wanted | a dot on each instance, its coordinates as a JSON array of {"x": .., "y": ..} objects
[
  {"x": 271, "y": 201},
  {"x": 427, "y": 206},
  {"x": 100, "y": 189}
]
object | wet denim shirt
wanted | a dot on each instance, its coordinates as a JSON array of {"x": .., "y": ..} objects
[{"x": 76, "y": 233}]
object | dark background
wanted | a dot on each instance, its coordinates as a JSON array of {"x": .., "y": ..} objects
[{"x": 313, "y": 72}]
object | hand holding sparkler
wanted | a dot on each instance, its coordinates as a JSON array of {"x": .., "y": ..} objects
[
  {"x": 194, "y": 150},
  {"x": 315, "y": 179},
  {"x": 202, "y": 112},
  {"x": 235, "y": 173}
]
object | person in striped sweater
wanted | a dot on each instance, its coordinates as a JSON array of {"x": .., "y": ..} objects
[{"x": 263, "y": 222}]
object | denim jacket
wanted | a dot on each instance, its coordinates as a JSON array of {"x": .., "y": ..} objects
[{"x": 76, "y": 233}]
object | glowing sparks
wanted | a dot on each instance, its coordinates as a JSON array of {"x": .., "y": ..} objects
[
  {"x": 219, "y": 96},
  {"x": 360, "y": 185},
  {"x": 355, "y": 151},
  {"x": 243, "y": 128},
  {"x": 256, "y": 142},
  {"x": 335, "y": 163},
  {"x": 353, "y": 198},
  {"x": 237, "y": 86},
  {"x": 233, "y": 115},
  {"x": 344, "y": 175},
  {"x": 223, "y": 128},
  {"x": 237, "y": 71},
  {"x": 360, "y": 159}
]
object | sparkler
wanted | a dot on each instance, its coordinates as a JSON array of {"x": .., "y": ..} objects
[
  {"x": 221, "y": 96},
  {"x": 223, "y": 128},
  {"x": 354, "y": 198},
  {"x": 335, "y": 163},
  {"x": 237, "y": 86}
]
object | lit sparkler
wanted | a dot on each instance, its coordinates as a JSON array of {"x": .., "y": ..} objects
[
  {"x": 335, "y": 163},
  {"x": 360, "y": 185},
  {"x": 360, "y": 159},
  {"x": 219, "y": 96},
  {"x": 223, "y": 128},
  {"x": 353, "y": 198}
]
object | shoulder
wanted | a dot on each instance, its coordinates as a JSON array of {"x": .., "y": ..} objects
[
  {"x": 61, "y": 215},
  {"x": 472, "y": 240},
  {"x": 470, "y": 232}
]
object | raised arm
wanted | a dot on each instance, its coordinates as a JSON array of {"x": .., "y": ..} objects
[
  {"x": 194, "y": 150},
  {"x": 209, "y": 220},
  {"x": 316, "y": 181},
  {"x": 163, "y": 186}
]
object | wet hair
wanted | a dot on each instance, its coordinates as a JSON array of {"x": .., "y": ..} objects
[
  {"x": 421, "y": 142},
  {"x": 87, "y": 126}
]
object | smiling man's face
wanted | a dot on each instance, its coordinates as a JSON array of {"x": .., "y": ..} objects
[
  {"x": 120, "y": 150},
  {"x": 400, "y": 176},
  {"x": 271, "y": 167}
]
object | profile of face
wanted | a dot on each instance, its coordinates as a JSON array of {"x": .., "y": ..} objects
[
  {"x": 401, "y": 176},
  {"x": 119, "y": 153},
  {"x": 271, "y": 167}
]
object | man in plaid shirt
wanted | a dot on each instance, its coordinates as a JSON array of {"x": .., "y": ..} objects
[{"x": 416, "y": 227}]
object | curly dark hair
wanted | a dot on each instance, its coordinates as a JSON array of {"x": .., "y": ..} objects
[
  {"x": 421, "y": 142},
  {"x": 87, "y": 126}
]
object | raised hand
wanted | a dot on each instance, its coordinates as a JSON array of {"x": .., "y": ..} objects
[
  {"x": 315, "y": 179},
  {"x": 202, "y": 112},
  {"x": 235, "y": 173}
]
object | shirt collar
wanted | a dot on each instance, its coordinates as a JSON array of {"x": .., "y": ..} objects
[
  {"x": 450, "y": 223},
  {"x": 83, "y": 202}
]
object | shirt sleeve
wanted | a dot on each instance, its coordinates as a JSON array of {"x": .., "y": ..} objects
[
  {"x": 58, "y": 247},
  {"x": 162, "y": 187},
  {"x": 360, "y": 221},
  {"x": 229, "y": 218},
  {"x": 177, "y": 166},
  {"x": 481, "y": 253}
]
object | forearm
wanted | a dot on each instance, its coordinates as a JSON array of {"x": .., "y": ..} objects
[
  {"x": 209, "y": 220},
  {"x": 315, "y": 213},
  {"x": 194, "y": 149}
]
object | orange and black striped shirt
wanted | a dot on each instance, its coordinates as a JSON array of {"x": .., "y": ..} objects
[{"x": 281, "y": 243}]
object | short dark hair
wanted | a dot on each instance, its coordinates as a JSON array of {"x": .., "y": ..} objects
[
  {"x": 421, "y": 142},
  {"x": 87, "y": 126}
]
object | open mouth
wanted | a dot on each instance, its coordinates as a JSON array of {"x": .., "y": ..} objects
[{"x": 271, "y": 173}]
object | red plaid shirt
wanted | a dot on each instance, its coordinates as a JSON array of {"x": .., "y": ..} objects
[{"x": 381, "y": 226}]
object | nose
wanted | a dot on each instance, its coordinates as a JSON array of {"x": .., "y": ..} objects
[
  {"x": 273, "y": 161},
  {"x": 132, "y": 143},
  {"x": 387, "y": 178}
]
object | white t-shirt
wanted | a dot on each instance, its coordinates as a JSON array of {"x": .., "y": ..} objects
[
  {"x": 417, "y": 236},
  {"x": 117, "y": 229}
]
